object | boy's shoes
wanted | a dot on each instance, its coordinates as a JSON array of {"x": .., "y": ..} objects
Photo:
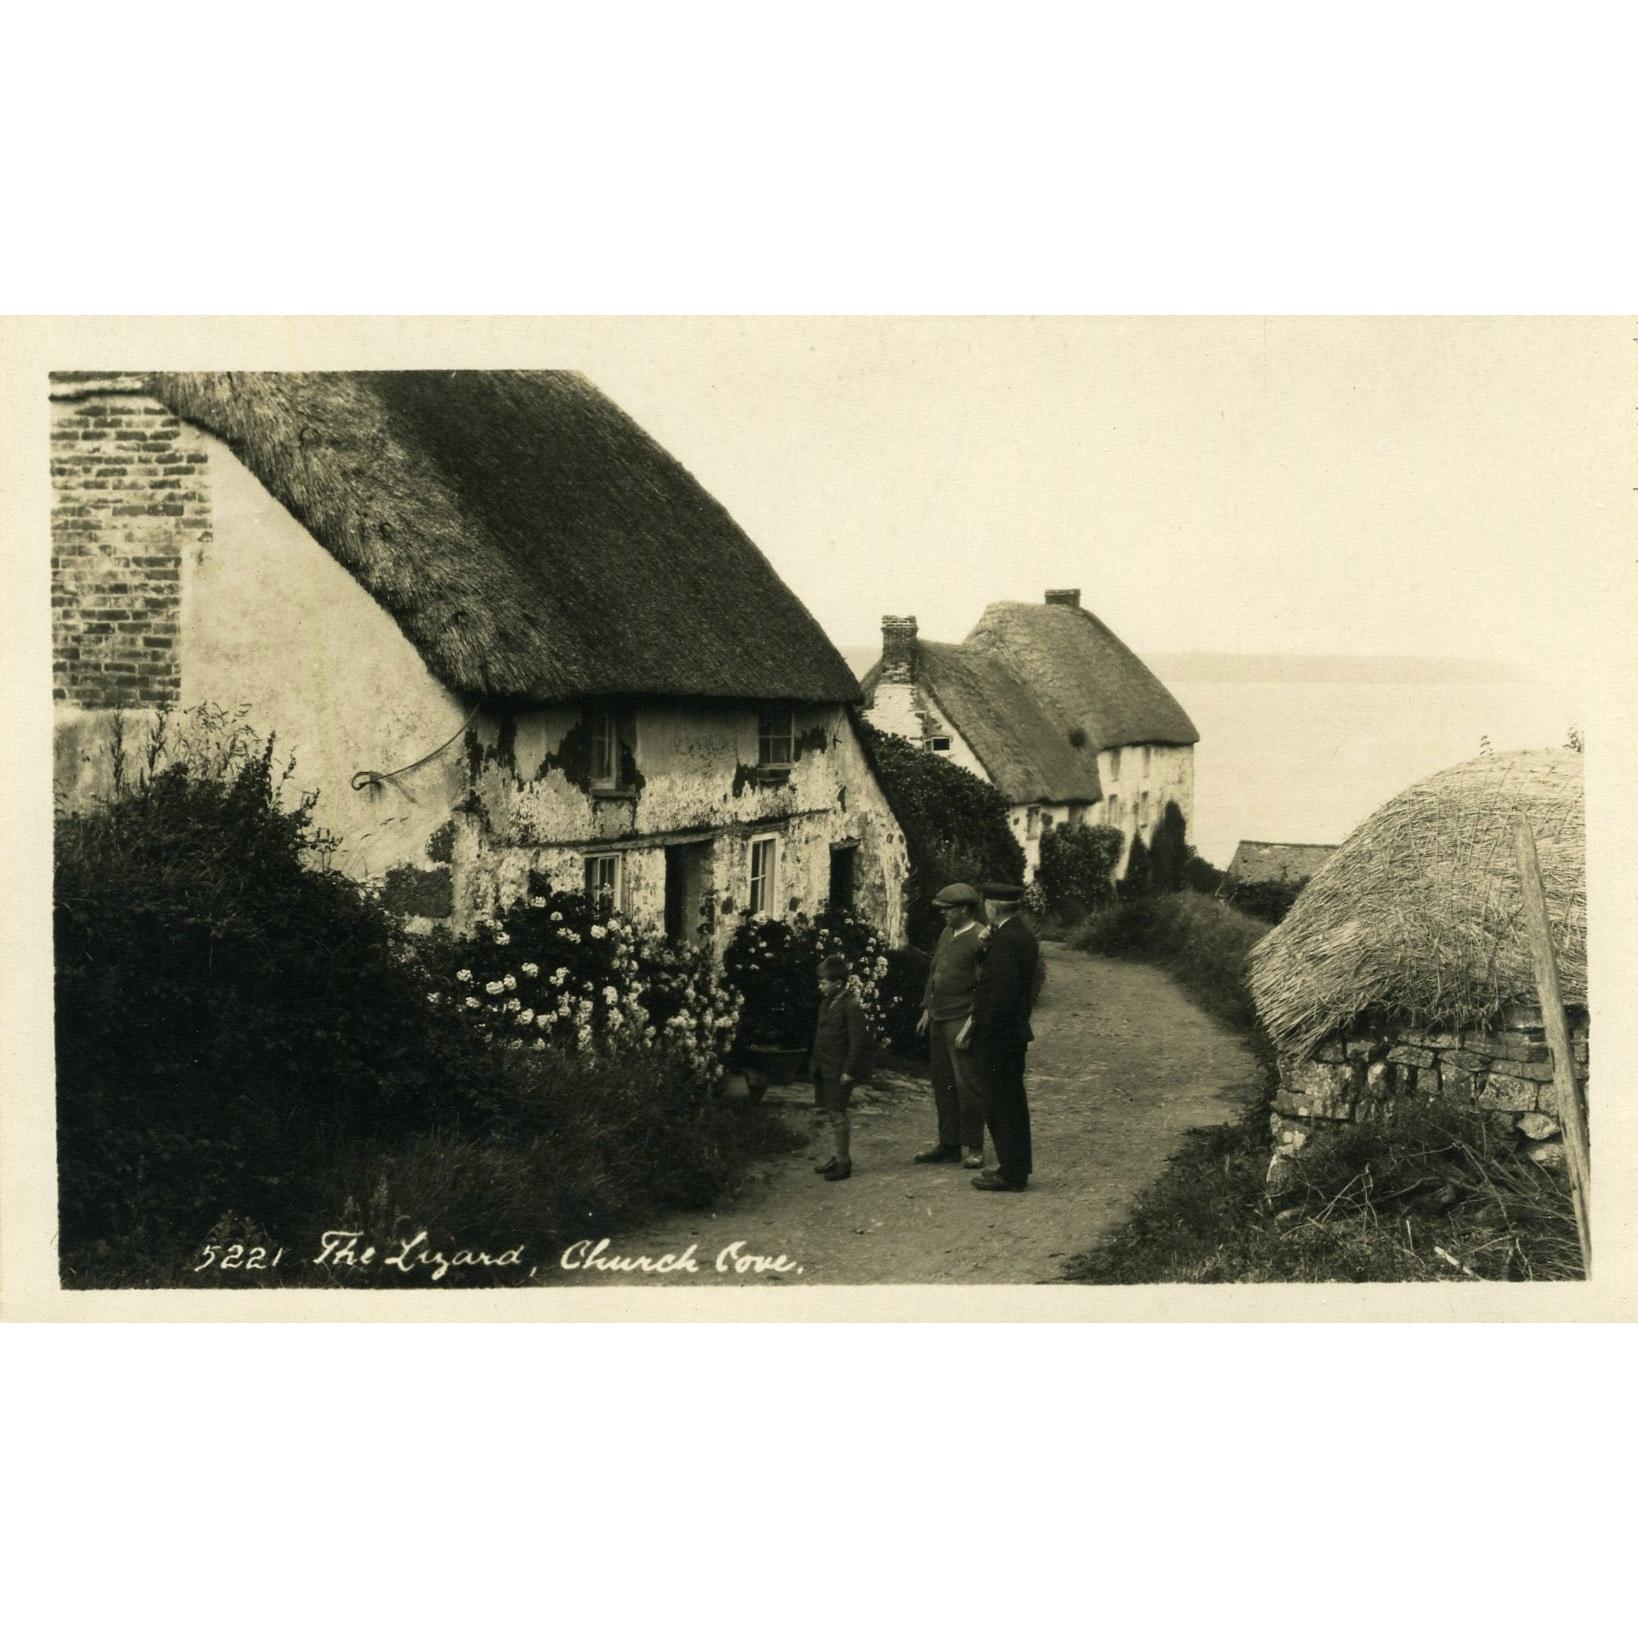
[
  {"x": 973, "y": 1159},
  {"x": 838, "y": 1171},
  {"x": 991, "y": 1181},
  {"x": 826, "y": 1166},
  {"x": 939, "y": 1151}
]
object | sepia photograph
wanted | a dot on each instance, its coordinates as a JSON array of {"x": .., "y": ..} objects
[{"x": 770, "y": 805}]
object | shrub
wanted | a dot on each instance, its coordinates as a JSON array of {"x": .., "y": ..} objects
[
  {"x": 555, "y": 970},
  {"x": 221, "y": 1004},
  {"x": 1136, "y": 882},
  {"x": 1076, "y": 872},
  {"x": 1267, "y": 901},
  {"x": 772, "y": 964},
  {"x": 1169, "y": 850},
  {"x": 955, "y": 825}
]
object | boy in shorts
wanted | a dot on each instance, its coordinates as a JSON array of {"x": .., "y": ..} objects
[{"x": 841, "y": 1049}]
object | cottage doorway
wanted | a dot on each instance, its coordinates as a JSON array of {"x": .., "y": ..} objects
[
  {"x": 687, "y": 876},
  {"x": 841, "y": 875}
]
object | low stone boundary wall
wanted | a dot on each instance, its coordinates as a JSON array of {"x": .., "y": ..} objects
[{"x": 1361, "y": 1074}]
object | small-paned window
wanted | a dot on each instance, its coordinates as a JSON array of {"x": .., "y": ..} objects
[
  {"x": 603, "y": 882},
  {"x": 1148, "y": 758},
  {"x": 775, "y": 730},
  {"x": 1114, "y": 765},
  {"x": 939, "y": 742},
  {"x": 764, "y": 872}
]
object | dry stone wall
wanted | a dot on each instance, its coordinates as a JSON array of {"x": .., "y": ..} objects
[{"x": 1368, "y": 1071}]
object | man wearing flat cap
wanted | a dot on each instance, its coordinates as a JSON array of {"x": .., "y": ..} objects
[
  {"x": 999, "y": 1035},
  {"x": 946, "y": 1006}
]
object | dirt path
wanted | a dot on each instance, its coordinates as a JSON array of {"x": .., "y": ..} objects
[{"x": 1123, "y": 1064}]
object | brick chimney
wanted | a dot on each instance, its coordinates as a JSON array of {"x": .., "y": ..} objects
[
  {"x": 1070, "y": 597},
  {"x": 898, "y": 648}
]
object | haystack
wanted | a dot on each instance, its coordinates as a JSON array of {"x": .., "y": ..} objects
[{"x": 1418, "y": 917}]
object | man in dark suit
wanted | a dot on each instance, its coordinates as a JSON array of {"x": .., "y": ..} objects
[{"x": 998, "y": 1035}]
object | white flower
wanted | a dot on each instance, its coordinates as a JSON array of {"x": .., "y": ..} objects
[
  {"x": 610, "y": 994},
  {"x": 540, "y": 1046},
  {"x": 537, "y": 902},
  {"x": 513, "y": 1004},
  {"x": 503, "y": 938},
  {"x": 465, "y": 975},
  {"x": 561, "y": 974},
  {"x": 596, "y": 930},
  {"x": 472, "y": 1002},
  {"x": 527, "y": 1016},
  {"x": 494, "y": 987},
  {"x": 529, "y": 970},
  {"x": 434, "y": 997},
  {"x": 557, "y": 915},
  {"x": 543, "y": 1020},
  {"x": 510, "y": 982}
]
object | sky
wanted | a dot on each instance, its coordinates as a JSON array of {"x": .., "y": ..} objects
[{"x": 1297, "y": 486}]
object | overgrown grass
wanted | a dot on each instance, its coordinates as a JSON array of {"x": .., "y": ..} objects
[
  {"x": 1202, "y": 942},
  {"x": 1439, "y": 1195}
]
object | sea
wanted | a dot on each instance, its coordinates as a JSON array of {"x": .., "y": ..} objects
[{"x": 1305, "y": 748}]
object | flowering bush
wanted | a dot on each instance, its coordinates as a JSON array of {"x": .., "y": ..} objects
[
  {"x": 558, "y": 971},
  {"x": 773, "y": 965}
]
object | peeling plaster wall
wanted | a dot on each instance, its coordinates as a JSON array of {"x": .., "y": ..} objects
[
  {"x": 1170, "y": 779},
  {"x": 696, "y": 783}
]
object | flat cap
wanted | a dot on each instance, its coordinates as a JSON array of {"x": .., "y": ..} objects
[
  {"x": 956, "y": 893},
  {"x": 1002, "y": 892}
]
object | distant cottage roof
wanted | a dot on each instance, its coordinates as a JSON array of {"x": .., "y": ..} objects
[
  {"x": 530, "y": 539},
  {"x": 1027, "y": 755},
  {"x": 1083, "y": 673},
  {"x": 1278, "y": 861}
]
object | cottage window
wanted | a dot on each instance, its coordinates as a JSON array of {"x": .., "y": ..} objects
[
  {"x": 1114, "y": 811},
  {"x": 1148, "y": 757},
  {"x": 603, "y": 882},
  {"x": 764, "y": 872},
  {"x": 775, "y": 730},
  {"x": 1143, "y": 811},
  {"x": 1032, "y": 822},
  {"x": 605, "y": 747},
  {"x": 1114, "y": 766},
  {"x": 939, "y": 742}
]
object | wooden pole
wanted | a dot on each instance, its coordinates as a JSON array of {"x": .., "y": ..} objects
[{"x": 1571, "y": 1116}]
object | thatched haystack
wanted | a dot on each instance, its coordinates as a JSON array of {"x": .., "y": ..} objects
[{"x": 1418, "y": 918}]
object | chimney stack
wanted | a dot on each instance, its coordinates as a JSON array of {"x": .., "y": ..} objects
[
  {"x": 1070, "y": 598},
  {"x": 898, "y": 648}
]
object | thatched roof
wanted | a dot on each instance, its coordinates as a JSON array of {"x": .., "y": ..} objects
[
  {"x": 1278, "y": 861},
  {"x": 529, "y": 538},
  {"x": 1026, "y": 753},
  {"x": 1418, "y": 915},
  {"x": 1083, "y": 674}
]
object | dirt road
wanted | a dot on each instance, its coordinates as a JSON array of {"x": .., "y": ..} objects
[{"x": 1123, "y": 1063}]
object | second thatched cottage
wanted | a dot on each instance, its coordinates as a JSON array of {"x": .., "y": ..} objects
[
  {"x": 505, "y": 634},
  {"x": 1044, "y": 701}
]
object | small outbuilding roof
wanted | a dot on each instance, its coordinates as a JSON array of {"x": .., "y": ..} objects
[
  {"x": 530, "y": 539},
  {"x": 1418, "y": 916},
  {"x": 1082, "y": 673},
  {"x": 1278, "y": 862}
]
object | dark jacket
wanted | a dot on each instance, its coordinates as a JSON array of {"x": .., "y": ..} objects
[
  {"x": 1006, "y": 984},
  {"x": 841, "y": 1039}
]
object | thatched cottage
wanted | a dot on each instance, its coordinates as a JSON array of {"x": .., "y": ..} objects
[
  {"x": 504, "y": 633},
  {"x": 1045, "y": 702},
  {"x": 1403, "y": 969}
]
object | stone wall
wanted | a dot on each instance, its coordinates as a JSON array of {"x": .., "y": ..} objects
[{"x": 1364, "y": 1073}]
